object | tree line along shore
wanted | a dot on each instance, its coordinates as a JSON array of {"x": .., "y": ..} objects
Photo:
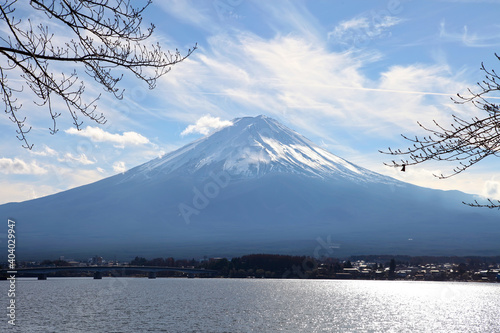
[{"x": 370, "y": 267}]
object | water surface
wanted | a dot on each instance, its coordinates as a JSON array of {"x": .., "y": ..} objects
[{"x": 251, "y": 305}]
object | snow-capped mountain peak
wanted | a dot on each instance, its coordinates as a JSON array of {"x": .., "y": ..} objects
[{"x": 253, "y": 147}]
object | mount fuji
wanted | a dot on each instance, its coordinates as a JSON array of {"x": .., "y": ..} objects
[{"x": 255, "y": 186}]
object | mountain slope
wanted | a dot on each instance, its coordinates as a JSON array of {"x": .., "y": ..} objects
[{"x": 255, "y": 186}]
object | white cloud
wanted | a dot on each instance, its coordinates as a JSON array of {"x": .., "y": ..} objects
[
  {"x": 361, "y": 29},
  {"x": 206, "y": 124},
  {"x": 17, "y": 192},
  {"x": 492, "y": 189},
  {"x": 309, "y": 86},
  {"x": 47, "y": 151},
  {"x": 18, "y": 166},
  {"x": 119, "y": 167},
  {"x": 352, "y": 24},
  {"x": 97, "y": 134},
  {"x": 81, "y": 159},
  {"x": 70, "y": 177}
]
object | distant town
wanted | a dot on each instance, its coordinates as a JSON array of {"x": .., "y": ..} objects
[{"x": 370, "y": 267}]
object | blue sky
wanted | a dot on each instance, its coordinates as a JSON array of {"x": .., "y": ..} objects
[{"x": 349, "y": 75}]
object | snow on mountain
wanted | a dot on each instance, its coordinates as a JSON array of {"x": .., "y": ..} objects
[{"x": 253, "y": 147}]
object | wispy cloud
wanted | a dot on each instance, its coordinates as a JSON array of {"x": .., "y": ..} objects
[
  {"x": 353, "y": 24},
  {"x": 359, "y": 30},
  {"x": 291, "y": 16},
  {"x": 308, "y": 85},
  {"x": 206, "y": 124},
  {"x": 20, "y": 167},
  {"x": 97, "y": 134},
  {"x": 468, "y": 38},
  {"x": 193, "y": 13},
  {"x": 81, "y": 159}
]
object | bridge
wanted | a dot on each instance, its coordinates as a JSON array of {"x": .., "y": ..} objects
[{"x": 41, "y": 272}]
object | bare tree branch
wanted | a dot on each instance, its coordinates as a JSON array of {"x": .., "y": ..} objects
[
  {"x": 491, "y": 204},
  {"x": 465, "y": 142},
  {"x": 107, "y": 39}
]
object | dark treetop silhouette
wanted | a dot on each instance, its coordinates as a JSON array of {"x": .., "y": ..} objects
[{"x": 101, "y": 36}]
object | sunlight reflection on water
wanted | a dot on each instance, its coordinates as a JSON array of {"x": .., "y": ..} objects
[{"x": 253, "y": 305}]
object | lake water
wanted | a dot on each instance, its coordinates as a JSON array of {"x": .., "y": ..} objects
[{"x": 250, "y": 305}]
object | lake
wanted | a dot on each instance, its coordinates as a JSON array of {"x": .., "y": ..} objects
[{"x": 250, "y": 305}]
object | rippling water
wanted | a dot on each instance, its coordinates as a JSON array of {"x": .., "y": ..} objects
[{"x": 251, "y": 305}]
